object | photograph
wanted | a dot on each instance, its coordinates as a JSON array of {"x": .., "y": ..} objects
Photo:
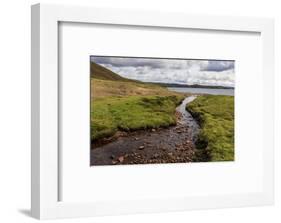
[{"x": 146, "y": 110}]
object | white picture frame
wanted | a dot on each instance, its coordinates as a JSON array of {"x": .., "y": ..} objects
[{"x": 45, "y": 201}]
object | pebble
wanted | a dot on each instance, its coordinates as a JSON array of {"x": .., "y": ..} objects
[
  {"x": 121, "y": 159},
  {"x": 156, "y": 155}
]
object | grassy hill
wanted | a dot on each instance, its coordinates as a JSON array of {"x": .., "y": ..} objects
[
  {"x": 102, "y": 73},
  {"x": 121, "y": 104},
  {"x": 105, "y": 82}
]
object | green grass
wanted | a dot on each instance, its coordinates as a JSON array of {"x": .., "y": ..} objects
[
  {"x": 215, "y": 115},
  {"x": 128, "y": 113}
]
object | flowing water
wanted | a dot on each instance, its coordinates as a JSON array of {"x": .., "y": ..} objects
[{"x": 187, "y": 118}]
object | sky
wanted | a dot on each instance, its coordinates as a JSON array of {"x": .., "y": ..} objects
[{"x": 180, "y": 71}]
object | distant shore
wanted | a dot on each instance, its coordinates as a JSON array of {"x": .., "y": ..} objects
[{"x": 190, "y": 85}]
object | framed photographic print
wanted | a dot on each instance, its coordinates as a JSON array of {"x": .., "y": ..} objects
[
  {"x": 136, "y": 112},
  {"x": 142, "y": 110}
]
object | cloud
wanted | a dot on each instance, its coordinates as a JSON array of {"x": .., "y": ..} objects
[
  {"x": 127, "y": 62},
  {"x": 219, "y": 66},
  {"x": 203, "y": 72}
]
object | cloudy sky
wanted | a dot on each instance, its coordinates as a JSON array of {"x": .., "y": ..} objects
[{"x": 203, "y": 72}]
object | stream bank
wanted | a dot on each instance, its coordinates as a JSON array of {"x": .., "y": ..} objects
[{"x": 174, "y": 144}]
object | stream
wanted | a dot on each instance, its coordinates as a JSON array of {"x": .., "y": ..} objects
[
  {"x": 174, "y": 144},
  {"x": 187, "y": 118}
]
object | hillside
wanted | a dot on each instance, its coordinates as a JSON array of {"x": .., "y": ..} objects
[
  {"x": 106, "y": 83},
  {"x": 102, "y": 73}
]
